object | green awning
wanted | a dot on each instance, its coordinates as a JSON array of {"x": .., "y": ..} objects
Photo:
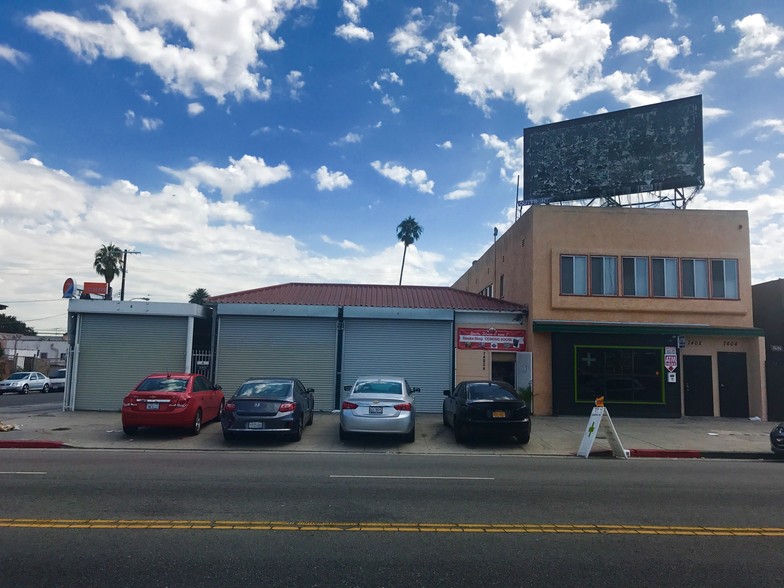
[{"x": 547, "y": 326}]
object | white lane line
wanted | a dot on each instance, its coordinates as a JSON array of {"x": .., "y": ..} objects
[
  {"x": 415, "y": 477},
  {"x": 24, "y": 473}
]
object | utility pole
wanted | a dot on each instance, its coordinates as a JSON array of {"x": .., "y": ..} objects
[{"x": 124, "y": 266}]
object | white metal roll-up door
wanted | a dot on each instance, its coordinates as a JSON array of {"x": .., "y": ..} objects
[
  {"x": 298, "y": 347},
  {"x": 418, "y": 350},
  {"x": 117, "y": 351}
]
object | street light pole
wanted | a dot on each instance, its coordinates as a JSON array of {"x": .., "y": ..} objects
[{"x": 124, "y": 266}]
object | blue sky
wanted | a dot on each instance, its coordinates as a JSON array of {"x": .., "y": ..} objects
[{"x": 246, "y": 143}]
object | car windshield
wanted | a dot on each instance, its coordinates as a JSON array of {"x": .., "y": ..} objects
[
  {"x": 379, "y": 387},
  {"x": 19, "y": 376},
  {"x": 163, "y": 385},
  {"x": 276, "y": 389},
  {"x": 490, "y": 392},
  {"x": 57, "y": 374}
]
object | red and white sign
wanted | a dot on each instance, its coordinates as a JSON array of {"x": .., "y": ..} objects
[
  {"x": 493, "y": 339},
  {"x": 670, "y": 362},
  {"x": 94, "y": 288}
]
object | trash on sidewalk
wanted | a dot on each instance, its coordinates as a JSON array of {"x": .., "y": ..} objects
[{"x": 7, "y": 427}]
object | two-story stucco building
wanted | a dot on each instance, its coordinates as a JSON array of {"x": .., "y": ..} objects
[{"x": 650, "y": 308}]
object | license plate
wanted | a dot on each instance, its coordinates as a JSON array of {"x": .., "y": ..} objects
[
  {"x": 153, "y": 406},
  {"x": 255, "y": 425},
  {"x": 376, "y": 409},
  {"x": 499, "y": 414}
]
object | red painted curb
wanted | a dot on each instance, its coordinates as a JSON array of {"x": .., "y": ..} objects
[
  {"x": 685, "y": 453},
  {"x": 30, "y": 444}
]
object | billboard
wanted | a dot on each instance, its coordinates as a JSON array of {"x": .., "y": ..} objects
[
  {"x": 491, "y": 339},
  {"x": 644, "y": 149}
]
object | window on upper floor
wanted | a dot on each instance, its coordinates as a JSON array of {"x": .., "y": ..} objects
[
  {"x": 604, "y": 275},
  {"x": 724, "y": 278},
  {"x": 501, "y": 286},
  {"x": 694, "y": 278},
  {"x": 574, "y": 274},
  {"x": 487, "y": 291},
  {"x": 664, "y": 271},
  {"x": 635, "y": 276}
]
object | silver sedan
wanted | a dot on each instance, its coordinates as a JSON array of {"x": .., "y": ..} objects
[{"x": 379, "y": 404}]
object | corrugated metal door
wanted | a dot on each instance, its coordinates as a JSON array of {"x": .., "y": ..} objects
[
  {"x": 299, "y": 347},
  {"x": 116, "y": 352},
  {"x": 418, "y": 350}
]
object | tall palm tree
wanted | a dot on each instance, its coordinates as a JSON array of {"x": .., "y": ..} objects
[
  {"x": 108, "y": 264},
  {"x": 199, "y": 296},
  {"x": 408, "y": 231}
]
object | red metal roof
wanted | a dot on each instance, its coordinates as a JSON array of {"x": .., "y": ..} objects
[{"x": 438, "y": 297}]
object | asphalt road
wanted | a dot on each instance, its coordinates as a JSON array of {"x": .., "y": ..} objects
[
  {"x": 122, "y": 518},
  {"x": 31, "y": 399}
]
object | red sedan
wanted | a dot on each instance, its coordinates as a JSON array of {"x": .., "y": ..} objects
[{"x": 172, "y": 400}]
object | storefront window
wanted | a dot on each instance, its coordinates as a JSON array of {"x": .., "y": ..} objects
[{"x": 628, "y": 375}]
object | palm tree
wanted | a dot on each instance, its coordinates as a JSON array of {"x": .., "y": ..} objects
[
  {"x": 199, "y": 296},
  {"x": 408, "y": 231},
  {"x": 108, "y": 264}
]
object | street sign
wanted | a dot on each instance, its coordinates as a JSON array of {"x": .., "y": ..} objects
[
  {"x": 671, "y": 362},
  {"x": 600, "y": 420}
]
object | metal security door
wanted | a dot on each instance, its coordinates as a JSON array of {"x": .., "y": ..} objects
[
  {"x": 733, "y": 385},
  {"x": 697, "y": 385}
]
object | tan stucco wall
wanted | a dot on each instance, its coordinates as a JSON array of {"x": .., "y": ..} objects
[{"x": 528, "y": 256}]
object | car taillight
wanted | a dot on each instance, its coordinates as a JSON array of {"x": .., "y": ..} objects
[
  {"x": 179, "y": 402},
  {"x": 406, "y": 406},
  {"x": 129, "y": 401},
  {"x": 287, "y": 407},
  {"x": 229, "y": 407},
  {"x": 348, "y": 405}
]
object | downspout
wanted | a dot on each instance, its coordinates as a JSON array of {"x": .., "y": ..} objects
[
  {"x": 339, "y": 359},
  {"x": 189, "y": 346}
]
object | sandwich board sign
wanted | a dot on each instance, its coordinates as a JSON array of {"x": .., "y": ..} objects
[{"x": 600, "y": 421}]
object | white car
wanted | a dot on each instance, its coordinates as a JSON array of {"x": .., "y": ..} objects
[
  {"x": 23, "y": 382},
  {"x": 379, "y": 404}
]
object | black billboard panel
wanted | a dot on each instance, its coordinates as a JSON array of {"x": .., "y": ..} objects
[{"x": 644, "y": 149}]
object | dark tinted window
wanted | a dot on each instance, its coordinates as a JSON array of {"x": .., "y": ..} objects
[
  {"x": 379, "y": 387},
  {"x": 275, "y": 389},
  {"x": 163, "y": 385},
  {"x": 490, "y": 392}
]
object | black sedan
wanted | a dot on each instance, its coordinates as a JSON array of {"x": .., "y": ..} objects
[
  {"x": 487, "y": 407},
  {"x": 268, "y": 405},
  {"x": 777, "y": 439}
]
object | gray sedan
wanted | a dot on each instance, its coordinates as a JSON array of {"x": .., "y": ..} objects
[
  {"x": 23, "y": 382},
  {"x": 379, "y": 404}
]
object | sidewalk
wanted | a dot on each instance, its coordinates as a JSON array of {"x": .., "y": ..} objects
[{"x": 688, "y": 437}]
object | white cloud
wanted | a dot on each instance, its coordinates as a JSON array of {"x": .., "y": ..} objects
[
  {"x": 389, "y": 102},
  {"x": 405, "y": 177},
  {"x": 391, "y": 77},
  {"x": 547, "y": 55},
  {"x": 717, "y": 26},
  {"x": 465, "y": 189},
  {"x": 721, "y": 180},
  {"x": 239, "y": 177},
  {"x": 511, "y": 155},
  {"x": 352, "y": 8},
  {"x": 344, "y": 244},
  {"x": 327, "y": 180},
  {"x": 769, "y": 125},
  {"x": 353, "y": 32},
  {"x": 295, "y": 82},
  {"x": 632, "y": 44},
  {"x": 409, "y": 39},
  {"x": 151, "y": 124},
  {"x": 348, "y": 138},
  {"x": 195, "y": 109},
  {"x": 759, "y": 42},
  {"x": 665, "y": 50},
  {"x": 220, "y": 57},
  {"x": 445, "y": 145},
  {"x": 12, "y": 56}
]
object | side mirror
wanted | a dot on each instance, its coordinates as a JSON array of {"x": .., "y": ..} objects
[
  {"x": 309, "y": 390},
  {"x": 447, "y": 393},
  {"x": 218, "y": 387},
  {"x": 414, "y": 390},
  {"x": 347, "y": 388}
]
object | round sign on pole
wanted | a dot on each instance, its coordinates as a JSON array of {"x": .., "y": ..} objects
[{"x": 69, "y": 288}]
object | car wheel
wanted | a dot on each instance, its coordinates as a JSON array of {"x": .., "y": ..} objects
[
  {"x": 343, "y": 434},
  {"x": 410, "y": 437},
  {"x": 2, "y": 392},
  {"x": 524, "y": 437},
  {"x": 228, "y": 435},
  {"x": 310, "y": 418},
  {"x": 196, "y": 426},
  {"x": 446, "y": 421},
  {"x": 24, "y": 389},
  {"x": 45, "y": 389},
  {"x": 460, "y": 433},
  {"x": 128, "y": 430},
  {"x": 297, "y": 434},
  {"x": 220, "y": 411}
]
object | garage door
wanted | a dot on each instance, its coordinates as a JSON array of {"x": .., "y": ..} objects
[
  {"x": 116, "y": 352},
  {"x": 299, "y": 347},
  {"x": 418, "y": 350}
]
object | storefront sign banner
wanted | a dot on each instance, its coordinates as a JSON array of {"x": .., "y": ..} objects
[{"x": 493, "y": 339}]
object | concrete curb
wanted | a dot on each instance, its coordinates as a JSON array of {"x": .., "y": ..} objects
[{"x": 31, "y": 444}]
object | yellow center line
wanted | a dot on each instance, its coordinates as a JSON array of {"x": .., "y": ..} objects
[{"x": 581, "y": 529}]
